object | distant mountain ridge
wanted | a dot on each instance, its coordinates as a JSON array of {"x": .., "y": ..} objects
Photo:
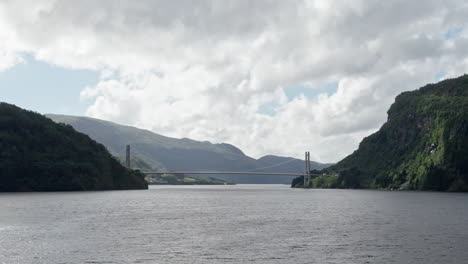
[{"x": 166, "y": 153}]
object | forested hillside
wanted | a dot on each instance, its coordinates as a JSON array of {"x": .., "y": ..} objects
[
  {"x": 422, "y": 146},
  {"x": 37, "y": 154}
]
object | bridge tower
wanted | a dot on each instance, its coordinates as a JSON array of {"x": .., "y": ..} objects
[
  {"x": 127, "y": 157},
  {"x": 307, "y": 169}
]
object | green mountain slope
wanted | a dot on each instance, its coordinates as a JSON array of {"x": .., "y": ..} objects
[
  {"x": 270, "y": 163},
  {"x": 422, "y": 146},
  {"x": 37, "y": 154},
  {"x": 166, "y": 153}
]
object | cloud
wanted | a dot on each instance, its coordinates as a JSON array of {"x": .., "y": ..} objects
[{"x": 206, "y": 69}]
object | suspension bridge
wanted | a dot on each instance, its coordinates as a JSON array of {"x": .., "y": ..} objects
[
  {"x": 307, "y": 175},
  {"x": 224, "y": 172}
]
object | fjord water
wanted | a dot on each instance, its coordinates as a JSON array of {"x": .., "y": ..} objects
[{"x": 234, "y": 224}]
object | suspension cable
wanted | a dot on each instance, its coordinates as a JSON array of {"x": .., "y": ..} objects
[{"x": 271, "y": 166}]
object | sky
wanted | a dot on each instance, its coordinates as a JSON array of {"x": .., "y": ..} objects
[{"x": 270, "y": 77}]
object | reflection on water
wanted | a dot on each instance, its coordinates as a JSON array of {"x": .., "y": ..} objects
[{"x": 234, "y": 224}]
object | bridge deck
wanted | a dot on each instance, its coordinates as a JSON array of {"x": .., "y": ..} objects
[{"x": 223, "y": 172}]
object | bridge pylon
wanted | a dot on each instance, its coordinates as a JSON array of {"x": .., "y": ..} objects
[
  {"x": 307, "y": 169},
  {"x": 127, "y": 157}
]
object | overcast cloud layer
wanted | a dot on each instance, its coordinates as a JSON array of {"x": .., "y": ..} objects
[{"x": 207, "y": 69}]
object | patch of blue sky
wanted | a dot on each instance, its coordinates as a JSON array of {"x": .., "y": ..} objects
[
  {"x": 440, "y": 75},
  {"x": 46, "y": 88},
  {"x": 158, "y": 73},
  {"x": 454, "y": 33},
  {"x": 270, "y": 108},
  {"x": 310, "y": 91},
  {"x": 291, "y": 92}
]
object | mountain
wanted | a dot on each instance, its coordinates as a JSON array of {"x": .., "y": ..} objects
[
  {"x": 422, "y": 146},
  {"x": 37, "y": 154},
  {"x": 279, "y": 164},
  {"x": 166, "y": 153}
]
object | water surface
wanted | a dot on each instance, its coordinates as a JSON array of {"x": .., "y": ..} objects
[{"x": 234, "y": 224}]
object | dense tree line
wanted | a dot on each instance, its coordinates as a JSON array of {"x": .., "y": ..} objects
[{"x": 37, "y": 154}]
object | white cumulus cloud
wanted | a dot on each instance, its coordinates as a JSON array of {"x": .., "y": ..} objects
[{"x": 204, "y": 69}]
